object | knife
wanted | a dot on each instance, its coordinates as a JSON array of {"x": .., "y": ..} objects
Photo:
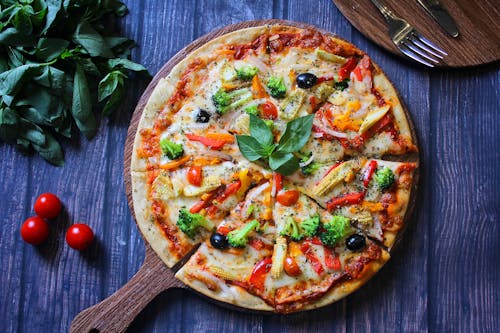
[{"x": 441, "y": 15}]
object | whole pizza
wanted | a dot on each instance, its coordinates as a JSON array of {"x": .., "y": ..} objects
[{"x": 279, "y": 155}]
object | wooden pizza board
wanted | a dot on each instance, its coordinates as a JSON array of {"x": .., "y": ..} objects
[
  {"x": 478, "y": 23},
  {"x": 116, "y": 313}
]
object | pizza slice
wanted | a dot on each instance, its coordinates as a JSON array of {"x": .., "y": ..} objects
[
  {"x": 233, "y": 264},
  {"x": 315, "y": 251},
  {"x": 374, "y": 194},
  {"x": 357, "y": 111}
]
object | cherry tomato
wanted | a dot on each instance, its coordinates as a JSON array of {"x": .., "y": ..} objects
[
  {"x": 195, "y": 175},
  {"x": 291, "y": 267},
  {"x": 47, "y": 205},
  {"x": 35, "y": 230},
  {"x": 288, "y": 198},
  {"x": 269, "y": 110},
  {"x": 79, "y": 236}
]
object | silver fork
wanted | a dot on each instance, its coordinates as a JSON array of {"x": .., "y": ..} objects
[{"x": 410, "y": 41}]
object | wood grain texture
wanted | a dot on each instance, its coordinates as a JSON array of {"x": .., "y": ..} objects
[
  {"x": 478, "y": 23},
  {"x": 444, "y": 279}
]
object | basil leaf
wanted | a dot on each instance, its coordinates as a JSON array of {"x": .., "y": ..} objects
[
  {"x": 249, "y": 147},
  {"x": 296, "y": 134},
  {"x": 125, "y": 63},
  {"x": 88, "y": 66},
  {"x": 49, "y": 49},
  {"x": 91, "y": 40},
  {"x": 22, "y": 21},
  {"x": 52, "y": 78},
  {"x": 82, "y": 107},
  {"x": 114, "y": 101},
  {"x": 32, "y": 132},
  {"x": 260, "y": 131},
  {"x": 12, "y": 36},
  {"x": 9, "y": 124},
  {"x": 283, "y": 163},
  {"x": 53, "y": 8},
  {"x": 109, "y": 84},
  {"x": 12, "y": 80},
  {"x": 51, "y": 150}
]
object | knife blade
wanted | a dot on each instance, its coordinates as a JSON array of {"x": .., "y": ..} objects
[{"x": 440, "y": 15}]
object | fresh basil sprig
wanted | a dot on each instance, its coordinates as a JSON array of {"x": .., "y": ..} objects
[
  {"x": 58, "y": 65},
  {"x": 279, "y": 156}
]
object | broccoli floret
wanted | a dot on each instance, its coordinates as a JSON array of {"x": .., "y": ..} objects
[
  {"x": 252, "y": 109},
  {"x": 335, "y": 230},
  {"x": 384, "y": 178},
  {"x": 276, "y": 86},
  {"x": 239, "y": 237},
  {"x": 310, "y": 226},
  {"x": 246, "y": 73},
  {"x": 225, "y": 101},
  {"x": 341, "y": 85},
  {"x": 291, "y": 230},
  {"x": 311, "y": 167},
  {"x": 189, "y": 223},
  {"x": 171, "y": 149},
  {"x": 269, "y": 123}
]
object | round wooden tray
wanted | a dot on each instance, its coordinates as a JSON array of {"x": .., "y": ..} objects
[
  {"x": 477, "y": 21},
  {"x": 115, "y": 313}
]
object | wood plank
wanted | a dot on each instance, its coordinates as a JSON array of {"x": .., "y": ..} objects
[
  {"x": 477, "y": 22},
  {"x": 15, "y": 207},
  {"x": 464, "y": 238}
]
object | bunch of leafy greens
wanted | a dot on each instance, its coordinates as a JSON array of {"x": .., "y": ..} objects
[
  {"x": 58, "y": 64},
  {"x": 260, "y": 144}
]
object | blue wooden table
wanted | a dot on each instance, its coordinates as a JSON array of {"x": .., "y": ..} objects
[{"x": 444, "y": 277}]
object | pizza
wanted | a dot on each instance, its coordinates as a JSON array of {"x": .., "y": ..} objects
[{"x": 280, "y": 160}]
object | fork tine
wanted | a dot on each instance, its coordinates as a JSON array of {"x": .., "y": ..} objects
[
  {"x": 420, "y": 52},
  {"x": 431, "y": 44},
  {"x": 416, "y": 40},
  {"x": 414, "y": 56}
]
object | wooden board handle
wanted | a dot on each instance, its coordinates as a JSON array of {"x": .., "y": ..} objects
[{"x": 116, "y": 313}]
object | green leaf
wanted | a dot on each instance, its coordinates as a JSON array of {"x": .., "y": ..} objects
[
  {"x": 32, "y": 132},
  {"x": 91, "y": 40},
  {"x": 109, "y": 84},
  {"x": 283, "y": 163},
  {"x": 88, "y": 66},
  {"x": 49, "y": 49},
  {"x": 120, "y": 45},
  {"x": 296, "y": 134},
  {"x": 114, "y": 101},
  {"x": 53, "y": 8},
  {"x": 249, "y": 147},
  {"x": 82, "y": 105},
  {"x": 118, "y": 63},
  {"x": 52, "y": 78},
  {"x": 51, "y": 151},
  {"x": 260, "y": 131},
  {"x": 12, "y": 80},
  {"x": 12, "y": 36},
  {"x": 22, "y": 21},
  {"x": 9, "y": 124}
]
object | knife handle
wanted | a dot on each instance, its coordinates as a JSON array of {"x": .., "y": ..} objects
[{"x": 116, "y": 313}]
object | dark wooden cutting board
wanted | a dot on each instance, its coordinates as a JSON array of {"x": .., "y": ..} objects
[
  {"x": 478, "y": 23},
  {"x": 116, "y": 313}
]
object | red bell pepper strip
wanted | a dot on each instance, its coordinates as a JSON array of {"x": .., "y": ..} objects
[
  {"x": 344, "y": 200},
  {"x": 369, "y": 171},
  {"x": 330, "y": 169},
  {"x": 331, "y": 260},
  {"x": 222, "y": 229},
  {"x": 314, "y": 240},
  {"x": 230, "y": 189},
  {"x": 278, "y": 181},
  {"x": 259, "y": 272},
  {"x": 256, "y": 243},
  {"x": 209, "y": 142},
  {"x": 325, "y": 78},
  {"x": 311, "y": 256},
  {"x": 203, "y": 203},
  {"x": 346, "y": 69},
  {"x": 357, "y": 73}
]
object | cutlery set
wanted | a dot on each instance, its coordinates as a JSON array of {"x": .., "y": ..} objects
[{"x": 412, "y": 43}]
